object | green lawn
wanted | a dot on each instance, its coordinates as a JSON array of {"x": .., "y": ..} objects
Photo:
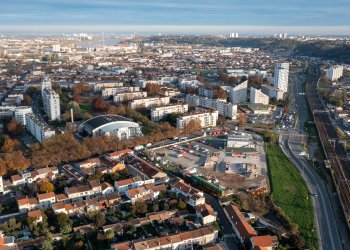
[
  {"x": 289, "y": 192},
  {"x": 85, "y": 107}
]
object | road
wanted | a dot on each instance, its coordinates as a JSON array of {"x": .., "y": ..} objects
[
  {"x": 291, "y": 141},
  {"x": 230, "y": 238}
]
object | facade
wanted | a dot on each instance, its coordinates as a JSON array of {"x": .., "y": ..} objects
[
  {"x": 193, "y": 196},
  {"x": 20, "y": 113},
  {"x": 240, "y": 140},
  {"x": 258, "y": 97},
  {"x": 334, "y": 73},
  {"x": 272, "y": 92},
  {"x": 99, "y": 85},
  {"x": 207, "y": 119},
  {"x": 226, "y": 109},
  {"x": 37, "y": 128},
  {"x": 111, "y": 91},
  {"x": 51, "y": 101},
  {"x": 109, "y": 125},
  {"x": 206, "y": 92},
  {"x": 128, "y": 96},
  {"x": 158, "y": 113},
  {"x": 238, "y": 94},
  {"x": 149, "y": 102},
  {"x": 281, "y": 76}
]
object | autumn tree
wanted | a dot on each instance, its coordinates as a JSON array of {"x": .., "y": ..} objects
[
  {"x": 14, "y": 127},
  {"x": 81, "y": 88},
  {"x": 140, "y": 207},
  {"x": 3, "y": 170},
  {"x": 181, "y": 205},
  {"x": 99, "y": 104},
  {"x": 46, "y": 187},
  {"x": 27, "y": 100},
  {"x": 8, "y": 146},
  {"x": 242, "y": 120},
  {"x": 16, "y": 161},
  {"x": 64, "y": 223},
  {"x": 153, "y": 89},
  {"x": 219, "y": 93},
  {"x": 99, "y": 219},
  {"x": 193, "y": 125}
]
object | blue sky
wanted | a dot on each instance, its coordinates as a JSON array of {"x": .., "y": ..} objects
[{"x": 167, "y": 15}]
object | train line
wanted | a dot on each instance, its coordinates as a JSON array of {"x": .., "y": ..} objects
[{"x": 331, "y": 143}]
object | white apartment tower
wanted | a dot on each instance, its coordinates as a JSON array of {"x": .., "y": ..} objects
[
  {"x": 258, "y": 97},
  {"x": 51, "y": 101},
  {"x": 281, "y": 76},
  {"x": 334, "y": 73},
  {"x": 238, "y": 94}
]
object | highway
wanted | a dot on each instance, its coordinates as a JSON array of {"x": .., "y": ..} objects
[{"x": 330, "y": 234}]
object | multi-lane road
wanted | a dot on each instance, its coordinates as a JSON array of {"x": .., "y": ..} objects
[{"x": 331, "y": 233}]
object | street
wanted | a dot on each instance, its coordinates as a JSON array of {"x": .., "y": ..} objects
[{"x": 330, "y": 234}]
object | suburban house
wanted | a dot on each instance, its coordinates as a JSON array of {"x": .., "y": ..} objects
[{"x": 191, "y": 195}]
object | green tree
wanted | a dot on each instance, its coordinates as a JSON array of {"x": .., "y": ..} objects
[
  {"x": 110, "y": 234},
  {"x": 140, "y": 207},
  {"x": 64, "y": 223},
  {"x": 47, "y": 244},
  {"x": 181, "y": 205}
]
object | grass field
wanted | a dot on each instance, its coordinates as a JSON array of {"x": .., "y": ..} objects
[
  {"x": 289, "y": 192},
  {"x": 85, "y": 107}
]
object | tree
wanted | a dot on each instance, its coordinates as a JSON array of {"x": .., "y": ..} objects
[
  {"x": 219, "y": 93},
  {"x": 46, "y": 187},
  {"x": 14, "y": 127},
  {"x": 99, "y": 104},
  {"x": 16, "y": 161},
  {"x": 153, "y": 89},
  {"x": 99, "y": 219},
  {"x": 110, "y": 234},
  {"x": 140, "y": 207},
  {"x": 270, "y": 137},
  {"x": 155, "y": 207},
  {"x": 3, "y": 169},
  {"x": 64, "y": 223},
  {"x": 112, "y": 110},
  {"x": 242, "y": 120},
  {"x": 181, "y": 205},
  {"x": 27, "y": 100},
  {"x": 193, "y": 125},
  {"x": 8, "y": 146}
]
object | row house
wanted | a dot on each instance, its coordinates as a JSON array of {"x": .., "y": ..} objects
[
  {"x": 124, "y": 185},
  {"x": 42, "y": 201},
  {"x": 191, "y": 195},
  {"x": 183, "y": 240},
  {"x": 206, "y": 214},
  {"x": 84, "y": 191},
  {"x": 146, "y": 192}
]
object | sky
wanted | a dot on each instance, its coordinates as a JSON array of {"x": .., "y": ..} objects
[{"x": 184, "y": 16}]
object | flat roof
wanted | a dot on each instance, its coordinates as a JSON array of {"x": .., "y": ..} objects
[{"x": 98, "y": 121}]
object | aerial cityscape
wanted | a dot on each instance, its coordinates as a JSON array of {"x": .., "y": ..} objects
[{"x": 174, "y": 125}]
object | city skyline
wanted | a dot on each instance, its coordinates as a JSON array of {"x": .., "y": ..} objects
[{"x": 252, "y": 17}]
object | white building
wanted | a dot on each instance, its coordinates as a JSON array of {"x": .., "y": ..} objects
[
  {"x": 158, "y": 113},
  {"x": 272, "y": 92},
  {"x": 20, "y": 113},
  {"x": 207, "y": 119},
  {"x": 108, "y": 125},
  {"x": 149, "y": 102},
  {"x": 1, "y": 185},
  {"x": 51, "y": 101},
  {"x": 238, "y": 94},
  {"x": 56, "y": 48},
  {"x": 37, "y": 128},
  {"x": 240, "y": 140},
  {"x": 334, "y": 73},
  {"x": 281, "y": 76},
  {"x": 109, "y": 92},
  {"x": 206, "y": 92},
  {"x": 128, "y": 96},
  {"x": 99, "y": 85},
  {"x": 189, "y": 82},
  {"x": 226, "y": 109},
  {"x": 256, "y": 96}
]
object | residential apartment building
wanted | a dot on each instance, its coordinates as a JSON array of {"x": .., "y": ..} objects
[
  {"x": 158, "y": 113},
  {"x": 281, "y": 76},
  {"x": 258, "y": 97},
  {"x": 226, "y": 109},
  {"x": 37, "y": 128},
  {"x": 334, "y": 73},
  {"x": 51, "y": 101},
  {"x": 206, "y": 92},
  {"x": 238, "y": 94},
  {"x": 21, "y": 112},
  {"x": 128, "y": 96},
  {"x": 149, "y": 102},
  {"x": 207, "y": 119},
  {"x": 110, "y": 92},
  {"x": 272, "y": 92},
  {"x": 99, "y": 85}
]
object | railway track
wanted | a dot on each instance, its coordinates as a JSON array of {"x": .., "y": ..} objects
[{"x": 332, "y": 146}]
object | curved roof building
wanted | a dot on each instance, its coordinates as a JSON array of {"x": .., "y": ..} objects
[{"x": 110, "y": 125}]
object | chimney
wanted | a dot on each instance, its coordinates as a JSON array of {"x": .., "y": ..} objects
[{"x": 71, "y": 115}]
